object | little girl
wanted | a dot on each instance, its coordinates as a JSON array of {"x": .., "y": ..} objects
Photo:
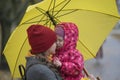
[{"x": 67, "y": 58}]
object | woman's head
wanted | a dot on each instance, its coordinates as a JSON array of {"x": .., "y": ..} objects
[{"x": 41, "y": 39}]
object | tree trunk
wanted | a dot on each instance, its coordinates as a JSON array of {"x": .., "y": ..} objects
[
  {"x": 0, "y": 42},
  {"x": 5, "y": 35}
]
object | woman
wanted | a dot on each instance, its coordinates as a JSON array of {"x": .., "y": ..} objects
[{"x": 42, "y": 41}]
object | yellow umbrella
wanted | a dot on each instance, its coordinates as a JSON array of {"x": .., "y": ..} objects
[{"x": 95, "y": 18}]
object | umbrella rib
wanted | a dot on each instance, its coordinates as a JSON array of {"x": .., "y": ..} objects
[
  {"x": 90, "y": 11},
  {"x": 18, "y": 57},
  {"x": 71, "y": 11},
  {"x": 41, "y": 10},
  {"x": 41, "y": 19},
  {"x": 87, "y": 49},
  {"x": 31, "y": 19},
  {"x": 32, "y": 22},
  {"x": 56, "y": 19},
  {"x": 47, "y": 22},
  {"x": 102, "y": 13},
  {"x": 47, "y": 12},
  {"x": 50, "y": 25},
  {"x": 62, "y": 7},
  {"x": 53, "y": 8},
  {"x": 106, "y": 14},
  {"x": 50, "y": 4},
  {"x": 57, "y": 5}
]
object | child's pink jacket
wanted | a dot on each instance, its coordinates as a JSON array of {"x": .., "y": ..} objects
[{"x": 72, "y": 60}]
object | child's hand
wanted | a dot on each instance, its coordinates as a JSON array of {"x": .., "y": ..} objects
[{"x": 57, "y": 62}]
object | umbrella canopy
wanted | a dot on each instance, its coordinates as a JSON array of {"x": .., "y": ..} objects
[{"x": 94, "y": 18}]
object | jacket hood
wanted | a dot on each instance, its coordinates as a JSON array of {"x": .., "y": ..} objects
[{"x": 70, "y": 35}]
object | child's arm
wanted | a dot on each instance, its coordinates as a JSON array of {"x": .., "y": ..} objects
[{"x": 73, "y": 67}]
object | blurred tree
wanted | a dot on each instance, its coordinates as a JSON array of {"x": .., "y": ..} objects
[
  {"x": 118, "y": 5},
  {"x": 0, "y": 39},
  {"x": 11, "y": 12}
]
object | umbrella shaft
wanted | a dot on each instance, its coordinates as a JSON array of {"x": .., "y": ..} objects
[{"x": 51, "y": 18}]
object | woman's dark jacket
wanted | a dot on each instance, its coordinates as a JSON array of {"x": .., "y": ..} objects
[{"x": 40, "y": 69}]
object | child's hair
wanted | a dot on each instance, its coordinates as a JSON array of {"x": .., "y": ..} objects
[{"x": 59, "y": 31}]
